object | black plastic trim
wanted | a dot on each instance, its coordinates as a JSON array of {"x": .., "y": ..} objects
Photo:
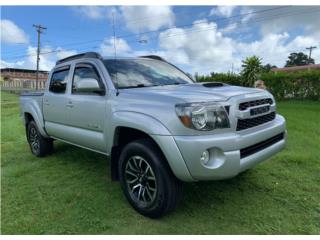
[
  {"x": 256, "y": 121},
  {"x": 79, "y": 56},
  {"x": 245, "y": 152}
]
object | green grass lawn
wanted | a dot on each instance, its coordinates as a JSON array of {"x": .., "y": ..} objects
[{"x": 70, "y": 191}]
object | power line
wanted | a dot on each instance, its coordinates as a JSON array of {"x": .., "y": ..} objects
[
  {"x": 98, "y": 40},
  {"x": 176, "y": 12},
  {"x": 87, "y": 42},
  {"x": 39, "y": 30},
  {"x": 185, "y": 33},
  {"x": 179, "y": 26},
  {"x": 20, "y": 45},
  {"x": 203, "y": 21},
  {"x": 262, "y": 19}
]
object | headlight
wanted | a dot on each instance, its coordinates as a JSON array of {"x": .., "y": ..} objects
[{"x": 203, "y": 116}]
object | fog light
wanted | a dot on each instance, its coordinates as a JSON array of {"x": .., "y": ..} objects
[{"x": 205, "y": 157}]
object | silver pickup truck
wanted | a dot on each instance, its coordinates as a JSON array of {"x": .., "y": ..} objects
[{"x": 157, "y": 126}]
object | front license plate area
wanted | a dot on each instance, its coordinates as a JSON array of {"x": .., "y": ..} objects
[{"x": 259, "y": 110}]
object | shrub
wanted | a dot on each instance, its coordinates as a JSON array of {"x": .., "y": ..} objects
[
  {"x": 294, "y": 85},
  {"x": 229, "y": 78}
]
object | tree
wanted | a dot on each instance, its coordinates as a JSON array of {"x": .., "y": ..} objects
[
  {"x": 298, "y": 59},
  {"x": 212, "y": 74},
  {"x": 251, "y": 71},
  {"x": 267, "y": 68}
]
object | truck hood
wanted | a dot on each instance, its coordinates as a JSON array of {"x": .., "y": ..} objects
[{"x": 194, "y": 92}]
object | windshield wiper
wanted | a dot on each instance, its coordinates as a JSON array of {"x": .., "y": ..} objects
[
  {"x": 155, "y": 85},
  {"x": 176, "y": 83},
  {"x": 138, "y": 86}
]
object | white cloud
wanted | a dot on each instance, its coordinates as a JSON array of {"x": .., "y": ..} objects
[
  {"x": 225, "y": 11},
  {"x": 300, "y": 42},
  {"x": 5, "y": 64},
  {"x": 144, "y": 18},
  {"x": 173, "y": 38},
  {"x": 135, "y": 18},
  {"x": 62, "y": 53},
  {"x": 201, "y": 46},
  {"x": 271, "y": 48},
  {"x": 274, "y": 48},
  {"x": 283, "y": 18},
  {"x": 204, "y": 48},
  {"x": 48, "y": 58},
  {"x": 95, "y": 12},
  {"x": 107, "y": 47},
  {"x": 229, "y": 28},
  {"x": 11, "y": 33},
  {"x": 308, "y": 22},
  {"x": 247, "y": 14}
]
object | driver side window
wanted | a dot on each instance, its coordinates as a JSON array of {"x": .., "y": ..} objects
[{"x": 83, "y": 72}]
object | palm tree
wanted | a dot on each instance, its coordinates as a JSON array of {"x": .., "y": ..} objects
[{"x": 252, "y": 68}]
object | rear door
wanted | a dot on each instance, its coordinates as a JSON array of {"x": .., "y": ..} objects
[
  {"x": 54, "y": 102},
  {"x": 86, "y": 110}
]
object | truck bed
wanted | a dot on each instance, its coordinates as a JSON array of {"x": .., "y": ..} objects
[
  {"x": 32, "y": 93},
  {"x": 31, "y": 100}
]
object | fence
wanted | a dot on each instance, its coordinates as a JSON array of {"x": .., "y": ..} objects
[{"x": 22, "y": 85}]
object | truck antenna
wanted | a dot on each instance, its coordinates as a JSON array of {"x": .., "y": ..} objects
[{"x": 115, "y": 53}]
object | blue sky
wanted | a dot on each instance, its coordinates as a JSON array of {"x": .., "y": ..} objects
[{"x": 196, "y": 38}]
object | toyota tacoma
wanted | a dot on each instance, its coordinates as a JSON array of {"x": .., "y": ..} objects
[{"x": 157, "y": 126}]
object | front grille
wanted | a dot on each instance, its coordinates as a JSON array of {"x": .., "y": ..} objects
[
  {"x": 252, "y": 122},
  {"x": 243, "y": 106},
  {"x": 260, "y": 146}
]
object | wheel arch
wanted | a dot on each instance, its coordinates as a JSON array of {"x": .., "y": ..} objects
[
  {"x": 31, "y": 115},
  {"x": 122, "y": 136},
  {"x": 149, "y": 127}
]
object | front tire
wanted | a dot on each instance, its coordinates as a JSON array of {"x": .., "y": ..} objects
[
  {"x": 39, "y": 145},
  {"x": 147, "y": 180}
]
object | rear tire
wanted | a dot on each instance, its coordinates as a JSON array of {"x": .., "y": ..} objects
[
  {"x": 39, "y": 145},
  {"x": 147, "y": 180}
]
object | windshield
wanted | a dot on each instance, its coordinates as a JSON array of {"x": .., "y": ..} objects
[{"x": 130, "y": 73}]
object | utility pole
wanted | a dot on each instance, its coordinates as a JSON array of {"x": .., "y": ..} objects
[
  {"x": 39, "y": 30},
  {"x": 310, "y": 51}
]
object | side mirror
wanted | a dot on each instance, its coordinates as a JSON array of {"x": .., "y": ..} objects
[{"x": 88, "y": 85}]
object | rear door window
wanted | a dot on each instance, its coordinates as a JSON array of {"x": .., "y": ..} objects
[{"x": 59, "y": 80}]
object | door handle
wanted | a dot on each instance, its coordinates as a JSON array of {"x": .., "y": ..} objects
[
  {"x": 70, "y": 104},
  {"x": 46, "y": 102}
]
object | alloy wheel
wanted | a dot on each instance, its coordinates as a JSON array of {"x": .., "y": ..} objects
[
  {"x": 141, "y": 181},
  {"x": 34, "y": 139}
]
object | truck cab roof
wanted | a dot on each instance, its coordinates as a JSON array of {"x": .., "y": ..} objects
[{"x": 96, "y": 55}]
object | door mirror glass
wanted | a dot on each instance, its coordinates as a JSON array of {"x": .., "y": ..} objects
[{"x": 88, "y": 85}]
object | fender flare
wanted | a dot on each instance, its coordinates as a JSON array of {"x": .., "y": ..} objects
[
  {"x": 135, "y": 120},
  {"x": 140, "y": 121},
  {"x": 37, "y": 115},
  {"x": 158, "y": 132}
]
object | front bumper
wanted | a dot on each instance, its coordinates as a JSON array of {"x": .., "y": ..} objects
[{"x": 225, "y": 160}]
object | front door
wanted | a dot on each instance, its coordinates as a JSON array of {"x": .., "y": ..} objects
[{"x": 86, "y": 110}]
